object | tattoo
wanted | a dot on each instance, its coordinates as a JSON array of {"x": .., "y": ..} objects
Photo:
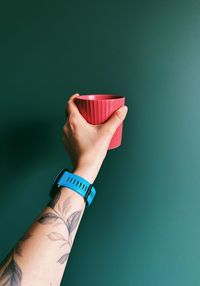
[
  {"x": 48, "y": 218},
  {"x": 54, "y": 236},
  {"x": 63, "y": 258},
  {"x": 12, "y": 274},
  {"x": 18, "y": 248},
  {"x": 59, "y": 217},
  {"x": 72, "y": 221}
]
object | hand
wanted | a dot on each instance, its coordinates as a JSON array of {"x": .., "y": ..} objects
[{"x": 87, "y": 144}]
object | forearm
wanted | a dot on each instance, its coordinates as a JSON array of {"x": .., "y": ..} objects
[{"x": 41, "y": 255}]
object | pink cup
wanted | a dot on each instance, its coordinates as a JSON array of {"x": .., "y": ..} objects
[{"x": 97, "y": 108}]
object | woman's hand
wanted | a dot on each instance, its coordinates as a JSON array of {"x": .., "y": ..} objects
[{"x": 87, "y": 144}]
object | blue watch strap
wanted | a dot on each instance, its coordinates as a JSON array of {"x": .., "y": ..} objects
[{"x": 77, "y": 184}]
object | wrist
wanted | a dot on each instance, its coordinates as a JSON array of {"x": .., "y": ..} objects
[
  {"x": 89, "y": 173},
  {"x": 75, "y": 197}
]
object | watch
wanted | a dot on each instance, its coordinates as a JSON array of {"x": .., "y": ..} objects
[{"x": 66, "y": 178}]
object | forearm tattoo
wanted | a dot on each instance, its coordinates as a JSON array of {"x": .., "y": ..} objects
[
  {"x": 10, "y": 272},
  {"x": 11, "y": 275},
  {"x": 59, "y": 216}
]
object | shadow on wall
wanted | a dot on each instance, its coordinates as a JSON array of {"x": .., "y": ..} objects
[{"x": 23, "y": 146}]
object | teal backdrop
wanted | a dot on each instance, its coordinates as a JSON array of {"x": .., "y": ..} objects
[{"x": 143, "y": 228}]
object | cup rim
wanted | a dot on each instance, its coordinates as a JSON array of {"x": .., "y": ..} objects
[{"x": 87, "y": 97}]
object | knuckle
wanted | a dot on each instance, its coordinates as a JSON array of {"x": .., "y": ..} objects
[
  {"x": 118, "y": 116},
  {"x": 71, "y": 115},
  {"x": 72, "y": 118},
  {"x": 68, "y": 104},
  {"x": 73, "y": 122},
  {"x": 64, "y": 128},
  {"x": 69, "y": 100}
]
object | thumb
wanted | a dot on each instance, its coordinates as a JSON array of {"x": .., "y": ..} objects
[{"x": 115, "y": 120}]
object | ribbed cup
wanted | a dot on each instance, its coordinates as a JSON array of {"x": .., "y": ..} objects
[{"x": 97, "y": 108}]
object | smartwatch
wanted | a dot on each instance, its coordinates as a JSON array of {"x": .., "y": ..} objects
[{"x": 67, "y": 179}]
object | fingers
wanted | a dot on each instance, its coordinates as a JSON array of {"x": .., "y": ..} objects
[
  {"x": 68, "y": 145},
  {"x": 71, "y": 106},
  {"x": 114, "y": 121}
]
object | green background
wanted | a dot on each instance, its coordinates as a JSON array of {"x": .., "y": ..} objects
[{"x": 143, "y": 228}]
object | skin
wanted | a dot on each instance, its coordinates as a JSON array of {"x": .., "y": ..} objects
[{"x": 40, "y": 256}]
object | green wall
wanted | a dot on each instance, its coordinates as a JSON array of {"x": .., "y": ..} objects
[{"x": 143, "y": 228}]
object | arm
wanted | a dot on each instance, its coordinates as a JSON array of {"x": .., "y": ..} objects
[{"x": 40, "y": 256}]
